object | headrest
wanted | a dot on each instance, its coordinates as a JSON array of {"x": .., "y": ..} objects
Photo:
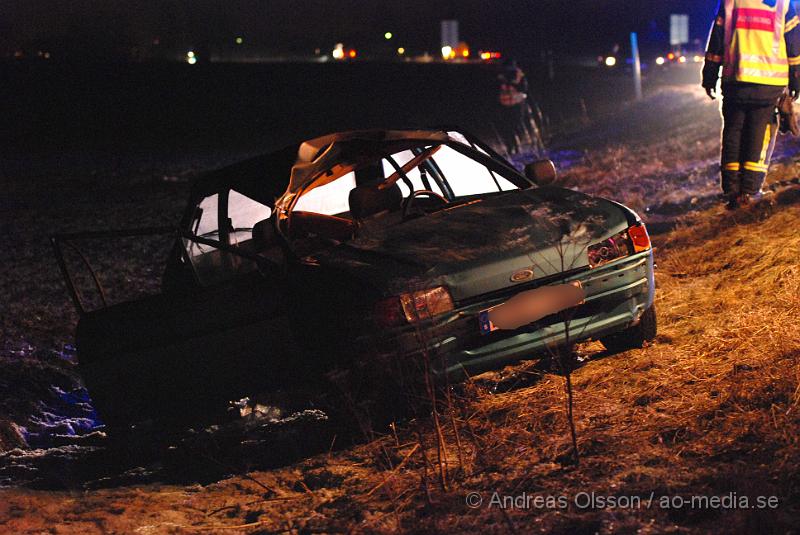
[
  {"x": 370, "y": 174},
  {"x": 366, "y": 201},
  {"x": 264, "y": 235}
]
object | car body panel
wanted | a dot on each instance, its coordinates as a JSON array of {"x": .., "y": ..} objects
[
  {"x": 617, "y": 294},
  {"x": 307, "y": 304}
]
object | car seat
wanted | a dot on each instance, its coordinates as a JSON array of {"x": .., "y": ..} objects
[{"x": 369, "y": 200}]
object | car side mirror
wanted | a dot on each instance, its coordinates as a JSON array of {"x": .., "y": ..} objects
[{"x": 541, "y": 172}]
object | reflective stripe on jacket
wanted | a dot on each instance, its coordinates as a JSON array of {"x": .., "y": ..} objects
[
  {"x": 510, "y": 96},
  {"x": 512, "y": 89},
  {"x": 755, "y": 41}
]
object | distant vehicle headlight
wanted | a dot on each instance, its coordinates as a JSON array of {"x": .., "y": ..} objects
[
  {"x": 660, "y": 61},
  {"x": 409, "y": 308},
  {"x": 611, "y": 61},
  {"x": 633, "y": 240}
]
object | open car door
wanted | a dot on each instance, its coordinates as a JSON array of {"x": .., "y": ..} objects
[{"x": 183, "y": 355}]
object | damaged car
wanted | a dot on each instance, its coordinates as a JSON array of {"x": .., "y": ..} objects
[{"x": 358, "y": 256}]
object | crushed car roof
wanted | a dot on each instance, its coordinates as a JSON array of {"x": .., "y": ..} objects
[
  {"x": 349, "y": 149},
  {"x": 297, "y": 166}
]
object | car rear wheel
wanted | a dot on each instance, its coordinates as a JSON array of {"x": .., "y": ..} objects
[{"x": 634, "y": 337}]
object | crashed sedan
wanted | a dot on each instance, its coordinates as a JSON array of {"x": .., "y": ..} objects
[{"x": 372, "y": 251}]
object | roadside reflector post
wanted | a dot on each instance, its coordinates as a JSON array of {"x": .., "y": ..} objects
[{"x": 637, "y": 66}]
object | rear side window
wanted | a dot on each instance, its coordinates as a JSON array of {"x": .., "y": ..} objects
[
  {"x": 244, "y": 213},
  {"x": 330, "y": 199},
  {"x": 239, "y": 215},
  {"x": 206, "y": 222},
  {"x": 206, "y": 225}
]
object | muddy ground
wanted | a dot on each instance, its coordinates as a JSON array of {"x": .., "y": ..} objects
[{"x": 709, "y": 409}]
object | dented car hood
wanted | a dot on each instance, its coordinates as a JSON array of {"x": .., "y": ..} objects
[{"x": 476, "y": 248}]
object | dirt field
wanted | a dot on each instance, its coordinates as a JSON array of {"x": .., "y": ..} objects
[{"x": 710, "y": 411}]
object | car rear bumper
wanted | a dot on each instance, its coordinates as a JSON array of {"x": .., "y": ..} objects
[{"x": 617, "y": 295}]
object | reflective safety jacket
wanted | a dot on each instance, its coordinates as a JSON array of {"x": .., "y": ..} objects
[
  {"x": 513, "y": 88},
  {"x": 755, "y": 41}
]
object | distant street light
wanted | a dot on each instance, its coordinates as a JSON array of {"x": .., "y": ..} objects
[
  {"x": 388, "y": 35},
  {"x": 239, "y": 40},
  {"x": 611, "y": 61},
  {"x": 401, "y": 51}
]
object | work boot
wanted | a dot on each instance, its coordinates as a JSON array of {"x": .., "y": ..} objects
[
  {"x": 731, "y": 183},
  {"x": 753, "y": 200},
  {"x": 732, "y": 203},
  {"x": 746, "y": 200}
]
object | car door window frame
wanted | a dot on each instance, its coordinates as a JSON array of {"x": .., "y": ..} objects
[
  {"x": 223, "y": 243},
  {"x": 486, "y": 160}
]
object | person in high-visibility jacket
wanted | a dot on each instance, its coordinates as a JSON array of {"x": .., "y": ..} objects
[
  {"x": 757, "y": 44},
  {"x": 513, "y": 99}
]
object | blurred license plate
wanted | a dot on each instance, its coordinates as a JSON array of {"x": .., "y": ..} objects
[{"x": 533, "y": 305}]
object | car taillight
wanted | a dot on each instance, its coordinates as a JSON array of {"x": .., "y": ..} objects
[
  {"x": 639, "y": 238},
  {"x": 633, "y": 240},
  {"x": 413, "y": 307}
]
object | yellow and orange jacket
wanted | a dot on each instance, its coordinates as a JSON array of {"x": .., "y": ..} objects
[{"x": 755, "y": 42}]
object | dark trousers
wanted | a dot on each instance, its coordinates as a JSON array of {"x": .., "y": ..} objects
[
  {"x": 748, "y": 140},
  {"x": 510, "y": 126}
]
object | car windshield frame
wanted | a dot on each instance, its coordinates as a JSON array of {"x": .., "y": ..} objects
[{"x": 285, "y": 205}]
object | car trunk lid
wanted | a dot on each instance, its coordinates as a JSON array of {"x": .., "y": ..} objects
[{"x": 486, "y": 245}]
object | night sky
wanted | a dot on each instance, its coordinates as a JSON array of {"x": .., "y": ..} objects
[{"x": 516, "y": 26}]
